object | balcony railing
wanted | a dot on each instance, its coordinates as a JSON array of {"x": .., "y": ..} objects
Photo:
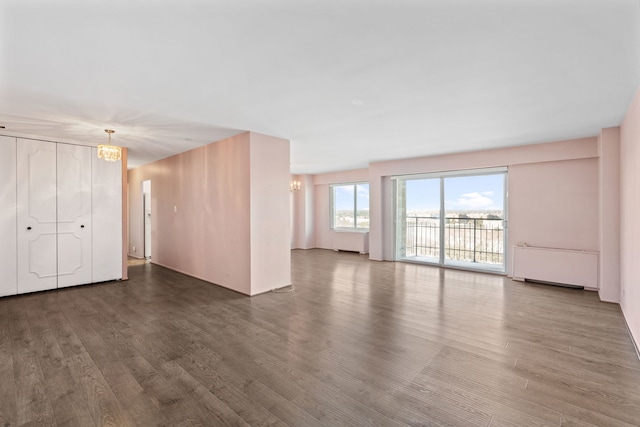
[{"x": 479, "y": 240}]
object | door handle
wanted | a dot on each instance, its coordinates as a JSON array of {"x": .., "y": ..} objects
[
  {"x": 82, "y": 226},
  {"x": 28, "y": 228}
]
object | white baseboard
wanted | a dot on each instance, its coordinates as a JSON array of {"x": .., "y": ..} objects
[{"x": 633, "y": 340}]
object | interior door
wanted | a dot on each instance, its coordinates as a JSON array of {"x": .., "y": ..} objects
[
  {"x": 37, "y": 216},
  {"x": 74, "y": 215}
]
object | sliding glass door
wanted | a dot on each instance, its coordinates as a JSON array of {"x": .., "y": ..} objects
[{"x": 452, "y": 219}]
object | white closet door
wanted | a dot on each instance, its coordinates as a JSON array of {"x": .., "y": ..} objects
[
  {"x": 107, "y": 218},
  {"x": 8, "y": 230},
  {"x": 74, "y": 215},
  {"x": 36, "y": 213}
]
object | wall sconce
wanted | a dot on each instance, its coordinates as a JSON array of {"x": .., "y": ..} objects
[{"x": 294, "y": 186}]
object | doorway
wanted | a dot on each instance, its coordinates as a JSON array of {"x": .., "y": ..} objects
[
  {"x": 455, "y": 219},
  {"x": 146, "y": 209}
]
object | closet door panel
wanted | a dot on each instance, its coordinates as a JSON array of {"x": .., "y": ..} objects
[
  {"x": 107, "y": 217},
  {"x": 8, "y": 228},
  {"x": 36, "y": 215},
  {"x": 74, "y": 214}
]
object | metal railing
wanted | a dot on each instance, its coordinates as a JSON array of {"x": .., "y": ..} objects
[{"x": 479, "y": 240}]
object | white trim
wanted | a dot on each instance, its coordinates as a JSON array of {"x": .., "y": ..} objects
[
  {"x": 449, "y": 174},
  {"x": 442, "y": 214},
  {"x": 349, "y": 183},
  {"x": 626, "y": 323}
]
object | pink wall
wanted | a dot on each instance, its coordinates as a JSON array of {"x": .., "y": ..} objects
[
  {"x": 135, "y": 217},
  {"x": 355, "y": 175},
  {"x": 609, "y": 189},
  {"x": 207, "y": 234},
  {"x": 270, "y": 216},
  {"x": 201, "y": 202},
  {"x": 303, "y": 232},
  {"x": 324, "y": 235},
  {"x": 629, "y": 214},
  {"x": 554, "y": 204}
]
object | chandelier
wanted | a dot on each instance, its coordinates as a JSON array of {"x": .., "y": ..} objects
[{"x": 108, "y": 152}]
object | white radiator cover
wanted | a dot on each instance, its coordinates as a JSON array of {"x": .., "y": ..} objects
[
  {"x": 351, "y": 241},
  {"x": 561, "y": 266}
]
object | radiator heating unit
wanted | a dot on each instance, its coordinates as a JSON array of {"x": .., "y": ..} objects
[{"x": 564, "y": 267}]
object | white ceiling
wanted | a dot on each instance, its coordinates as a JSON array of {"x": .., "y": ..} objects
[{"x": 347, "y": 81}]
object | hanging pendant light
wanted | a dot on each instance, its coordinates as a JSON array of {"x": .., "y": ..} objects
[{"x": 108, "y": 152}]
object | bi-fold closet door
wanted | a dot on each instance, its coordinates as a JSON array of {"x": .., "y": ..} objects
[
  {"x": 60, "y": 216},
  {"x": 53, "y": 215},
  {"x": 74, "y": 214},
  {"x": 37, "y": 216}
]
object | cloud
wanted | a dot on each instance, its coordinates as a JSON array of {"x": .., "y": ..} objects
[{"x": 476, "y": 200}]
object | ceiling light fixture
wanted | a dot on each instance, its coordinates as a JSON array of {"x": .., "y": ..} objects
[{"x": 108, "y": 152}]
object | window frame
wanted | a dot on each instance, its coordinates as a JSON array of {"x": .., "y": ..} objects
[{"x": 332, "y": 213}]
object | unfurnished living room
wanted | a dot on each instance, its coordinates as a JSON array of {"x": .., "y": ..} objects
[{"x": 320, "y": 213}]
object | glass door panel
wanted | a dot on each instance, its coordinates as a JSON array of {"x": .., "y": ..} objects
[
  {"x": 474, "y": 221},
  {"x": 418, "y": 220}
]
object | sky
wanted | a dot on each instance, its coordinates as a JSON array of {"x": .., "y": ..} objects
[
  {"x": 481, "y": 192},
  {"x": 344, "y": 196}
]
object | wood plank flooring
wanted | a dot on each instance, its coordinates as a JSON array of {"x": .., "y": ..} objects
[{"x": 357, "y": 343}]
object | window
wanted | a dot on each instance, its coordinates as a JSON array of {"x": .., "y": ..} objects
[{"x": 350, "y": 206}]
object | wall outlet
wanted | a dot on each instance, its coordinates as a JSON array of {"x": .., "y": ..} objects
[{"x": 134, "y": 249}]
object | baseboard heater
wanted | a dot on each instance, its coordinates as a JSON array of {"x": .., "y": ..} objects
[
  {"x": 351, "y": 241},
  {"x": 563, "y": 267}
]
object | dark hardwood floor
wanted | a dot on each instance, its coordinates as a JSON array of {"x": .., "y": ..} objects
[{"x": 357, "y": 343}]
